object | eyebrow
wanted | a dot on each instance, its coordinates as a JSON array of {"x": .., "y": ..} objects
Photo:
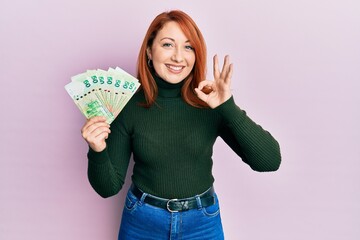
[{"x": 172, "y": 39}]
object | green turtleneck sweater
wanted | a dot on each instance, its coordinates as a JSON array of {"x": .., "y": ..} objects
[{"x": 172, "y": 145}]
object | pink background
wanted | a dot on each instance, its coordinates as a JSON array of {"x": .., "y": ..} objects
[{"x": 297, "y": 73}]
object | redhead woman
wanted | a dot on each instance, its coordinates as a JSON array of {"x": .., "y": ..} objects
[{"x": 170, "y": 126}]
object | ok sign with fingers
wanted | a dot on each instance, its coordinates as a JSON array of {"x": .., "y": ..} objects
[{"x": 219, "y": 88}]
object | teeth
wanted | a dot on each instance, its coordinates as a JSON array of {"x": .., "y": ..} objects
[{"x": 174, "y": 68}]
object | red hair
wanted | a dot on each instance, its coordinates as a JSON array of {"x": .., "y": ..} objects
[{"x": 198, "y": 72}]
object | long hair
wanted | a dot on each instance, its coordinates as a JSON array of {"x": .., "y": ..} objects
[{"x": 198, "y": 72}]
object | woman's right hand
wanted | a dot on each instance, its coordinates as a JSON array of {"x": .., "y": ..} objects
[{"x": 95, "y": 131}]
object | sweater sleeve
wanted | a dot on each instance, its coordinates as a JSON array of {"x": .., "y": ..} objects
[
  {"x": 107, "y": 169},
  {"x": 256, "y": 146}
]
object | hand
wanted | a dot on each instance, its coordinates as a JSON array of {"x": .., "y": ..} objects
[
  {"x": 218, "y": 91},
  {"x": 95, "y": 131}
]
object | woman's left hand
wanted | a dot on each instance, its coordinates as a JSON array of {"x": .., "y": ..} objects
[{"x": 218, "y": 91}]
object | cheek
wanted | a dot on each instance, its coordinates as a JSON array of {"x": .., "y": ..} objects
[
  {"x": 191, "y": 60},
  {"x": 157, "y": 59},
  {"x": 191, "y": 65},
  {"x": 158, "y": 55}
]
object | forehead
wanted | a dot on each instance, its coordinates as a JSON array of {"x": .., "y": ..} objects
[{"x": 171, "y": 30}]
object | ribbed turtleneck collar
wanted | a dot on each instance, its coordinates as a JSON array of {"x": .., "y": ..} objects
[{"x": 166, "y": 89}]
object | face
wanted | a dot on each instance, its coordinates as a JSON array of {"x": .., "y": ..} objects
[{"x": 172, "y": 54}]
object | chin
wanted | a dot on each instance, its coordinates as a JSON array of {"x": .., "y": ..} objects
[{"x": 174, "y": 80}]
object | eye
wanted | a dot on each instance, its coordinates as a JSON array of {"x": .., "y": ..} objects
[
  {"x": 167, "y": 45},
  {"x": 189, "y": 47}
]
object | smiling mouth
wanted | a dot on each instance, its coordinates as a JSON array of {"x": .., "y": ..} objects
[{"x": 174, "y": 68}]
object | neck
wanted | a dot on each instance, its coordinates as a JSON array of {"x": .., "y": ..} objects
[{"x": 166, "y": 89}]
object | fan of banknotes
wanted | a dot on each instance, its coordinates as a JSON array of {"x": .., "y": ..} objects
[{"x": 102, "y": 93}]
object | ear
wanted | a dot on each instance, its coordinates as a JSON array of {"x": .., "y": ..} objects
[{"x": 148, "y": 52}]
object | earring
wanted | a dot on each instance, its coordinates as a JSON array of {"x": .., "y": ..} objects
[{"x": 150, "y": 63}]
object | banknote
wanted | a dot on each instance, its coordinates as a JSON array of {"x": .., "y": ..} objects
[{"x": 102, "y": 92}]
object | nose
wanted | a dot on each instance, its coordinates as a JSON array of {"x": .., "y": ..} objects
[{"x": 177, "y": 55}]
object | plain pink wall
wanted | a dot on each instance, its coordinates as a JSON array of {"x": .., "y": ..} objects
[{"x": 296, "y": 73}]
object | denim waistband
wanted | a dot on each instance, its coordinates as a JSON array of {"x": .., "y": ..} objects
[{"x": 204, "y": 199}]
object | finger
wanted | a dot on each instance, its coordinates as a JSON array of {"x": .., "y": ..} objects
[
  {"x": 206, "y": 83},
  {"x": 98, "y": 131},
  {"x": 229, "y": 74},
  {"x": 89, "y": 129},
  {"x": 207, "y": 86},
  {"x": 98, "y": 144},
  {"x": 225, "y": 68},
  {"x": 97, "y": 119},
  {"x": 216, "y": 67},
  {"x": 93, "y": 120},
  {"x": 97, "y": 137},
  {"x": 201, "y": 94},
  {"x": 99, "y": 125},
  {"x": 102, "y": 136}
]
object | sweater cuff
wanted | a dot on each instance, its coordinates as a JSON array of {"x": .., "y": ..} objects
[
  {"x": 98, "y": 157},
  {"x": 230, "y": 111}
]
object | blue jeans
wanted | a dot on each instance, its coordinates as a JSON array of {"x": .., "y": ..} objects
[{"x": 141, "y": 221}]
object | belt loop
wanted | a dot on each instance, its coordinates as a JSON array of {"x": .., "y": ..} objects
[
  {"x": 143, "y": 196},
  {"x": 198, "y": 201}
]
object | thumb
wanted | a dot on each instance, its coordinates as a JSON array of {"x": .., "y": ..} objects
[{"x": 201, "y": 94}]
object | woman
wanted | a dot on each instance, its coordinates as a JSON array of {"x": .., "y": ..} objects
[{"x": 170, "y": 127}]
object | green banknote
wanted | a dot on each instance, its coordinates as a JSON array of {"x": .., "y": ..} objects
[{"x": 102, "y": 93}]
